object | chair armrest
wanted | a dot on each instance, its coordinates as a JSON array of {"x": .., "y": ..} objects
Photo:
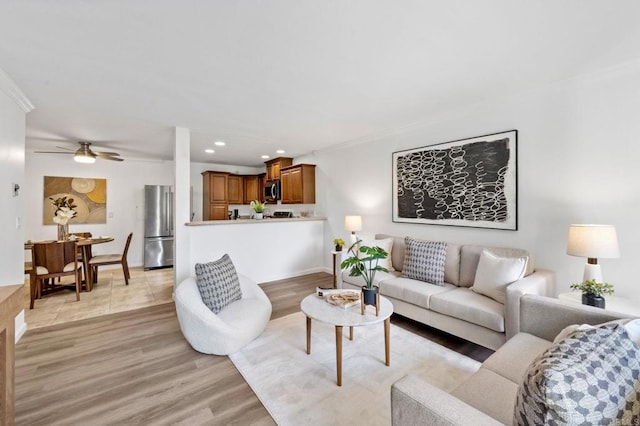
[
  {"x": 558, "y": 314},
  {"x": 250, "y": 289},
  {"x": 541, "y": 282},
  {"x": 417, "y": 402}
]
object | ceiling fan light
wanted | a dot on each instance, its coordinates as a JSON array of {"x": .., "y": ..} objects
[{"x": 83, "y": 158}]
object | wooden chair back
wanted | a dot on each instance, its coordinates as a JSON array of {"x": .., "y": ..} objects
[
  {"x": 126, "y": 246},
  {"x": 54, "y": 256}
]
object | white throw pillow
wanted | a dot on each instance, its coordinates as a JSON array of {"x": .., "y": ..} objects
[
  {"x": 385, "y": 244},
  {"x": 494, "y": 273}
]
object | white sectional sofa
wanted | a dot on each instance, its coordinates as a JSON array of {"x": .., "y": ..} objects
[{"x": 454, "y": 307}]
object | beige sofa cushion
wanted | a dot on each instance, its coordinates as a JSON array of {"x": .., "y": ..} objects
[
  {"x": 490, "y": 393},
  {"x": 466, "y": 305},
  {"x": 515, "y": 356},
  {"x": 470, "y": 256},
  {"x": 412, "y": 291}
]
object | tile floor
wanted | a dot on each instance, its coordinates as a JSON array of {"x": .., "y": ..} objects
[{"x": 109, "y": 295}]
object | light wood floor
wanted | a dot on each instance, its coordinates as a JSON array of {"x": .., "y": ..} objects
[{"x": 135, "y": 367}]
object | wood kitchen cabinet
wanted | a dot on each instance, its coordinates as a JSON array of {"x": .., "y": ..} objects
[
  {"x": 252, "y": 188},
  {"x": 235, "y": 189},
  {"x": 215, "y": 199},
  {"x": 298, "y": 184},
  {"x": 276, "y": 165}
]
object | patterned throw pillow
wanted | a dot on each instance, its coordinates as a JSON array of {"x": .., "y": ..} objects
[
  {"x": 591, "y": 377},
  {"x": 424, "y": 260},
  {"x": 218, "y": 283}
]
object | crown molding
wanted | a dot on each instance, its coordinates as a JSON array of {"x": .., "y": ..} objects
[{"x": 13, "y": 91}]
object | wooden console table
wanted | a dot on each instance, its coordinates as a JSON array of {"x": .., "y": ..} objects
[{"x": 11, "y": 303}]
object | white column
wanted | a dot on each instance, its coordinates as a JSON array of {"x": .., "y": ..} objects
[{"x": 182, "y": 197}]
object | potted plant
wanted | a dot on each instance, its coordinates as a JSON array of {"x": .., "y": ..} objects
[
  {"x": 258, "y": 208},
  {"x": 592, "y": 292},
  {"x": 363, "y": 262},
  {"x": 339, "y": 242}
]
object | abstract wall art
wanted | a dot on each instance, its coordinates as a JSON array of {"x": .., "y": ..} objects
[
  {"x": 469, "y": 182},
  {"x": 89, "y": 195}
]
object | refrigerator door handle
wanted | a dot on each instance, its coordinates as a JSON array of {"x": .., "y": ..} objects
[{"x": 171, "y": 212}]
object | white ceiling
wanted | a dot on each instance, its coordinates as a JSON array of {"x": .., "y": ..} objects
[{"x": 298, "y": 75}]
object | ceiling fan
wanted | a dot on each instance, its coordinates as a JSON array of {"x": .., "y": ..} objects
[{"x": 85, "y": 154}]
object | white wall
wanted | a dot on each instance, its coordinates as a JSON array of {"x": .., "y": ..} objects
[
  {"x": 578, "y": 153},
  {"x": 13, "y": 106},
  {"x": 125, "y": 198}
]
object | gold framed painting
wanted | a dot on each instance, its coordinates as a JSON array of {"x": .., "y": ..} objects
[{"x": 89, "y": 195}]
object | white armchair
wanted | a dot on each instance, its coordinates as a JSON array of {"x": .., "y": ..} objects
[{"x": 226, "y": 332}]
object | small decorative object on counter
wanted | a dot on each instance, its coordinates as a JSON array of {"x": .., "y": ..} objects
[
  {"x": 258, "y": 208},
  {"x": 592, "y": 292},
  {"x": 364, "y": 263},
  {"x": 339, "y": 242},
  {"x": 64, "y": 212}
]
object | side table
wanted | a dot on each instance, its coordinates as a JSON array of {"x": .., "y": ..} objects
[{"x": 612, "y": 303}]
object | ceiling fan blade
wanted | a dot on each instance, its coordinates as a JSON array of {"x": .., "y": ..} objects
[
  {"x": 105, "y": 153},
  {"x": 65, "y": 148},
  {"x": 106, "y": 157},
  {"x": 52, "y": 152}
]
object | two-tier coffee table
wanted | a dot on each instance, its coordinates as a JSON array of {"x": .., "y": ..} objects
[{"x": 317, "y": 308}]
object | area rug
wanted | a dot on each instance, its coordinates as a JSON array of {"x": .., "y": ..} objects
[{"x": 297, "y": 388}]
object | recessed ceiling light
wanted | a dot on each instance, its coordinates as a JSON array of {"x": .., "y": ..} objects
[
  {"x": 209, "y": 151},
  {"x": 280, "y": 151},
  {"x": 264, "y": 157},
  {"x": 219, "y": 143}
]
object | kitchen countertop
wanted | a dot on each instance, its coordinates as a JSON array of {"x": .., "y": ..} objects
[{"x": 255, "y": 221}]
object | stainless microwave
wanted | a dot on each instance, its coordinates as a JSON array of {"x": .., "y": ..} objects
[{"x": 272, "y": 190}]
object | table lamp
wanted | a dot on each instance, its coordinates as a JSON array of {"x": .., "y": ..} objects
[
  {"x": 592, "y": 242},
  {"x": 353, "y": 224}
]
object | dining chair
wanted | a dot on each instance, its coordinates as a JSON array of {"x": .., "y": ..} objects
[
  {"x": 112, "y": 259},
  {"x": 52, "y": 260}
]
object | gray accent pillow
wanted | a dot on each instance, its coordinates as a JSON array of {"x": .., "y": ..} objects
[
  {"x": 424, "y": 260},
  {"x": 592, "y": 377},
  {"x": 218, "y": 283}
]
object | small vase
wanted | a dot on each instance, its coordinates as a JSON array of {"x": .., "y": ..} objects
[
  {"x": 258, "y": 215},
  {"x": 63, "y": 232},
  {"x": 591, "y": 300},
  {"x": 338, "y": 248}
]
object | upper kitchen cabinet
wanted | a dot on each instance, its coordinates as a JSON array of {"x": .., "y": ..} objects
[
  {"x": 215, "y": 199},
  {"x": 298, "y": 184},
  {"x": 235, "y": 189},
  {"x": 252, "y": 188},
  {"x": 275, "y": 166}
]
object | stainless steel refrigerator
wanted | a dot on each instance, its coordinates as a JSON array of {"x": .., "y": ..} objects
[{"x": 158, "y": 226}]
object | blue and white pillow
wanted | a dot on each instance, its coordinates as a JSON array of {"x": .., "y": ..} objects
[
  {"x": 218, "y": 283},
  {"x": 425, "y": 260}
]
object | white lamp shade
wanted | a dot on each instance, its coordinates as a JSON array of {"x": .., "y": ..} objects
[
  {"x": 353, "y": 223},
  {"x": 594, "y": 241}
]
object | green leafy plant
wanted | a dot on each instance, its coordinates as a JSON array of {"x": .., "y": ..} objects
[
  {"x": 364, "y": 262},
  {"x": 593, "y": 288},
  {"x": 338, "y": 242},
  {"x": 258, "y": 206}
]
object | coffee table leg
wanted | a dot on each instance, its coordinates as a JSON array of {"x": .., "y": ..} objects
[
  {"x": 387, "y": 351},
  {"x": 350, "y": 333},
  {"x": 308, "y": 335},
  {"x": 339, "y": 354}
]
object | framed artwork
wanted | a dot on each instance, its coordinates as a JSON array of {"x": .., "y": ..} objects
[
  {"x": 89, "y": 195},
  {"x": 468, "y": 182}
]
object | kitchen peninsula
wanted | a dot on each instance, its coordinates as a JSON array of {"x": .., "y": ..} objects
[{"x": 264, "y": 250}]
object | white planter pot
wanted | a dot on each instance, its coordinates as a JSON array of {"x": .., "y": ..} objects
[{"x": 258, "y": 215}]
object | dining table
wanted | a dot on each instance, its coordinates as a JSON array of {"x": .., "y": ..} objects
[{"x": 85, "y": 244}]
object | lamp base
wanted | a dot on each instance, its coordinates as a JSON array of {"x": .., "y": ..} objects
[{"x": 592, "y": 272}]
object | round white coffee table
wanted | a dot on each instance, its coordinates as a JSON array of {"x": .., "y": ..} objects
[{"x": 317, "y": 308}]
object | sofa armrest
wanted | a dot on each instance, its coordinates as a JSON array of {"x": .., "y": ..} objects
[
  {"x": 541, "y": 282},
  {"x": 417, "y": 402},
  {"x": 545, "y": 317}
]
